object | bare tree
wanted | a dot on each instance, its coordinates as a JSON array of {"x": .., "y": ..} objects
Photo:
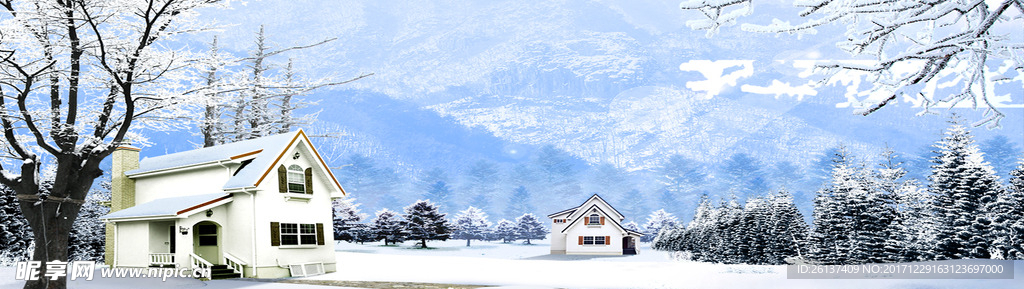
[
  {"x": 261, "y": 98},
  {"x": 976, "y": 42},
  {"x": 77, "y": 77}
]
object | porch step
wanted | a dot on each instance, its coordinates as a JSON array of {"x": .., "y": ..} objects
[{"x": 223, "y": 272}]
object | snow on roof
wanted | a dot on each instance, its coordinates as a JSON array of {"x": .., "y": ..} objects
[
  {"x": 267, "y": 149},
  {"x": 168, "y": 207},
  {"x": 212, "y": 154}
]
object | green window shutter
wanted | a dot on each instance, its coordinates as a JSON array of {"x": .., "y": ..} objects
[
  {"x": 319, "y": 233},
  {"x": 275, "y": 234},
  {"x": 309, "y": 181},
  {"x": 282, "y": 179}
]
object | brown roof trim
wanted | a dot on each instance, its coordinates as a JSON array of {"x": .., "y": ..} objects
[
  {"x": 203, "y": 204},
  {"x": 279, "y": 156},
  {"x": 246, "y": 154}
]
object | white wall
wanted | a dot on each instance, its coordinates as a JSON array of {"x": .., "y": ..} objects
[
  {"x": 557, "y": 238},
  {"x": 609, "y": 229},
  {"x": 159, "y": 238},
  {"x": 272, "y": 207},
  {"x": 132, "y": 244}
]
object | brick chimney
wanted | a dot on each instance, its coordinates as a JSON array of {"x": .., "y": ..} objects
[{"x": 122, "y": 189}]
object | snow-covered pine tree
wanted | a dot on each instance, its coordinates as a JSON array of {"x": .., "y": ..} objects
[
  {"x": 1016, "y": 192},
  {"x": 724, "y": 234},
  {"x": 833, "y": 234},
  {"x": 480, "y": 182},
  {"x": 632, "y": 204},
  {"x": 909, "y": 233},
  {"x": 470, "y": 224},
  {"x": 875, "y": 209},
  {"x": 528, "y": 227},
  {"x": 656, "y": 222},
  {"x": 424, "y": 221},
  {"x": 505, "y": 231},
  {"x": 787, "y": 231},
  {"x": 346, "y": 220},
  {"x": 519, "y": 202},
  {"x": 15, "y": 234},
  {"x": 388, "y": 226},
  {"x": 752, "y": 232},
  {"x": 1007, "y": 215},
  {"x": 965, "y": 186},
  {"x": 87, "y": 240}
]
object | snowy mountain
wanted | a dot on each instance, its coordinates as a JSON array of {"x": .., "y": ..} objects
[{"x": 457, "y": 81}]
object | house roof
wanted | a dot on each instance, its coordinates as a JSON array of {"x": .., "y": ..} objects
[
  {"x": 573, "y": 209},
  {"x": 267, "y": 151},
  {"x": 168, "y": 207}
]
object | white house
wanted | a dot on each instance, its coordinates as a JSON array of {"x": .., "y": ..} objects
[
  {"x": 262, "y": 207},
  {"x": 593, "y": 228}
]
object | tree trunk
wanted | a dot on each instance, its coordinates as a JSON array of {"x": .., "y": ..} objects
[
  {"x": 467, "y": 242},
  {"x": 423, "y": 243},
  {"x": 51, "y": 226}
]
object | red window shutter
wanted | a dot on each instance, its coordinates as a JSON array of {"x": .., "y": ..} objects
[
  {"x": 602, "y": 220},
  {"x": 581, "y": 240},
  {"x": 607, "y": 240}
]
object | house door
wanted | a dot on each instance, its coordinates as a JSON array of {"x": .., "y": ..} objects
[
  {"x": 628, "y": 246},
  {"x": 206, "y": 241},
  {"x": 172, "y": 238}
]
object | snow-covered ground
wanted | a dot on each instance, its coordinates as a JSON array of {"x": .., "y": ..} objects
[
  {"x": 529, "y": 266},
  {"x": 497, "y": 264}
]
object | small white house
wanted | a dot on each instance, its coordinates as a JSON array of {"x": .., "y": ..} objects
[
  {"x": 262, "y": 207},
  {"x": 593, "y": 228}
]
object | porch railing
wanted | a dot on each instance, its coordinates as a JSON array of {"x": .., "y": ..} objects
[
  {"x": 198, "y": 262},
  {"x": 160, "y": 259},
  {"x": 234, "y": 263}
]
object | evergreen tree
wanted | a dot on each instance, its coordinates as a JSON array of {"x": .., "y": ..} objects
[
  {"x": 632, "y": 226},
  {"x": 388, "y": 226},
  {"x": 832, "y": 237},
  {"x": 471, "y": 224},
  {"x": 1007, "y": 215},
  {"x": 88, "y": 234},
  {"x": 656, "y": 222},
  {"x": 346, "y": 220},
  {"x": 15, "y": 234},
  {"x": 965, "y": 186},
  {"x": 519, "y": 202},
  {"x": 1016, "y": 192},
  {"x": 786, "y": 229},
  {"x": 505, "y": 231},
  {"x": 424, "y": 221},
  {"x": 528, "y": 227}
]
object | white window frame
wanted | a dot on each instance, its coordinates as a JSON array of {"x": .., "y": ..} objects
[
  {"x": 594, "y": 219},
  {"x": 299, "y": 233},
  {"x": 296, "y": 177},
  {"x": 593, "y": 241}
]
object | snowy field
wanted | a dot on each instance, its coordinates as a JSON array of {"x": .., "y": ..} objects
[{"x": 493, "y": 264}]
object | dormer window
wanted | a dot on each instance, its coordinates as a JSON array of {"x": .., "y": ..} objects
[{"x": 296, "y": 180}]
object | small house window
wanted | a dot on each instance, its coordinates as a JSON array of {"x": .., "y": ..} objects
[
  {"x": 298, "y": 234},
  {"x": 559, "y": 221},
  {"x": 594, "y": 220},
  {"x": 595, "y": 240},
  {"x": 207, "y": 235},
  {"x": 296, "y": 180}
]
